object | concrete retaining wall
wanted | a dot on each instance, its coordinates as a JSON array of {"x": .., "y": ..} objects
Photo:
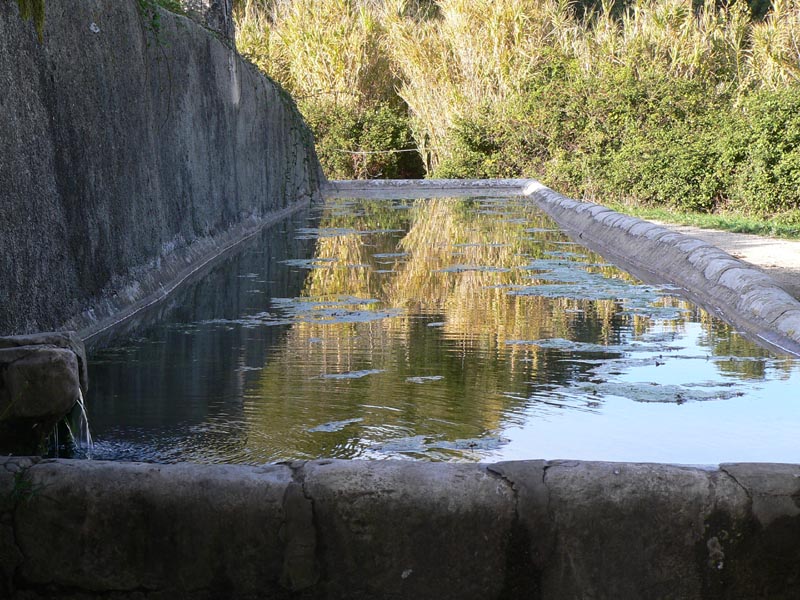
[
  {"x": 353, "y": 530},
  {"x": 136, "y": 145}
]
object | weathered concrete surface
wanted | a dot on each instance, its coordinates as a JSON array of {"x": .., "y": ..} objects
[
  {"x": 41, "y": 379},
  {"x": 132, "y": 151},
  {"x": 410, "y": 530},
  {"x": 127, "y": 528},
  {"x": 68, "y": 340},
  {"x": 356, "y": 529}
]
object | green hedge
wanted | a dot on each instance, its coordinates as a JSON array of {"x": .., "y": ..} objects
[{"x": 676, "y": 143}]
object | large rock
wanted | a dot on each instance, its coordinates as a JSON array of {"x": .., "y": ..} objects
[
  {"x": 410, "y": 530},
  {"x": 68, "y": 340},
  {"x": 41, "y": 378},
  {"x": 637, "y": 530},
  {"x": 185, "y": 530}
]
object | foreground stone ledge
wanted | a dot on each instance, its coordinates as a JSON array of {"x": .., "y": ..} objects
[
  {"x": 126, "y": 527},
  {"x": 399, "y": 529},
  {"x": 392, "y": 529}
]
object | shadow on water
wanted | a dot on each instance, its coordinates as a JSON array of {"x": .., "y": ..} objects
[
  {"x": 165, "y": 383},
  {"x": 436, "y": 329}
]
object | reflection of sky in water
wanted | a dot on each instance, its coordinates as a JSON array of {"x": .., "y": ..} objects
[
  {"x": 758, "y": 425},
  {"x": 440, "y": 330}
]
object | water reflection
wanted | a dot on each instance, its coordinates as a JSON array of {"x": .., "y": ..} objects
[{"x": 437, "y": 329}]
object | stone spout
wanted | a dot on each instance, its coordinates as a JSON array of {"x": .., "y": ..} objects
[{"x": 41, "y": 378}]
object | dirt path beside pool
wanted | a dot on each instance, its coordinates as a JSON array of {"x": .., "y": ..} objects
[{"x": 778, "y": 257}]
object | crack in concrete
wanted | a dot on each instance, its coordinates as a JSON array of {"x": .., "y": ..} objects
[
  {"x": 519, "y": 580},
  {"x": 500, "y": 476},
  {"x": 302, "y": 560},
  {"x": 786, "y": 310},
  {"x": 545, "y": 469},
  {"x": 550, "y": 513},
  {"x": 722, "y": 469}
]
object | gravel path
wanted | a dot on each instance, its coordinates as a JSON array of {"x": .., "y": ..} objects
[{"x": 780, "y": 258}]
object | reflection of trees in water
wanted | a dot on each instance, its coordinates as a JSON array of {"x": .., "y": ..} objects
[
  {"x": 485, "y": 380},
  {"x": 747, "y": 359},
  {"x": 474, "y": 303},
  {"x": 468, "y": 352}
]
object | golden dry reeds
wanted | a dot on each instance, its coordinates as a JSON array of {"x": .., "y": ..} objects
[
  {"x": 445, "y": 62},
  {"x": 326, "y": 49},
  {"x": 775, "y": 49}
]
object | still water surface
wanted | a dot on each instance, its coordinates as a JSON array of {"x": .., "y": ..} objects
[{"x": 443, "y": 329}]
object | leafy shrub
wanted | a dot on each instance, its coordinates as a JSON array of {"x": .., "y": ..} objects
[
  {"x": 363, "y": 143},
  {"x": 767, "y": 153}
]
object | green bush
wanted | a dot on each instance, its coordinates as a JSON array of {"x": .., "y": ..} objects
[
  {"x": 363, "y": 143},
  {"x": 767, "y": 153},
  {"x": 651, "y": 139},
  {"x": 670, "y": 149}
]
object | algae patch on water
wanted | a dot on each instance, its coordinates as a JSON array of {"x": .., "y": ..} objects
[
  {"x": 334, "y": 426},
  {"x": 424, "y": 378},
  {"x": 341, "y": 309},
  {"x": 654, "y": 392},
  {"x": 421, "y": 444},
  {"x": 351, "y": 374}
]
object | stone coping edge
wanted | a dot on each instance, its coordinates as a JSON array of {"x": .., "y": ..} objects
[
  {"x": 729, "y": 288},
  {"x": 398, "y": 529}
]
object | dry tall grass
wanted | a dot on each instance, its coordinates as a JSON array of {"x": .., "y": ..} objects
[
  {"x": 327, "y": 49},
  {"x": 451, "y": 60},
  {"x": 775, "y": 47}
]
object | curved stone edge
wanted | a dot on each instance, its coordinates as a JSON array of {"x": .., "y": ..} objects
[
  {"x": 395, "y": 529},
  {"x": 726, "y": 286},
  {"x": 421, "y": 188}
]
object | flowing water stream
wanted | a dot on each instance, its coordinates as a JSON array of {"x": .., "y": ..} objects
[{"x": 439, "y": 329}]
